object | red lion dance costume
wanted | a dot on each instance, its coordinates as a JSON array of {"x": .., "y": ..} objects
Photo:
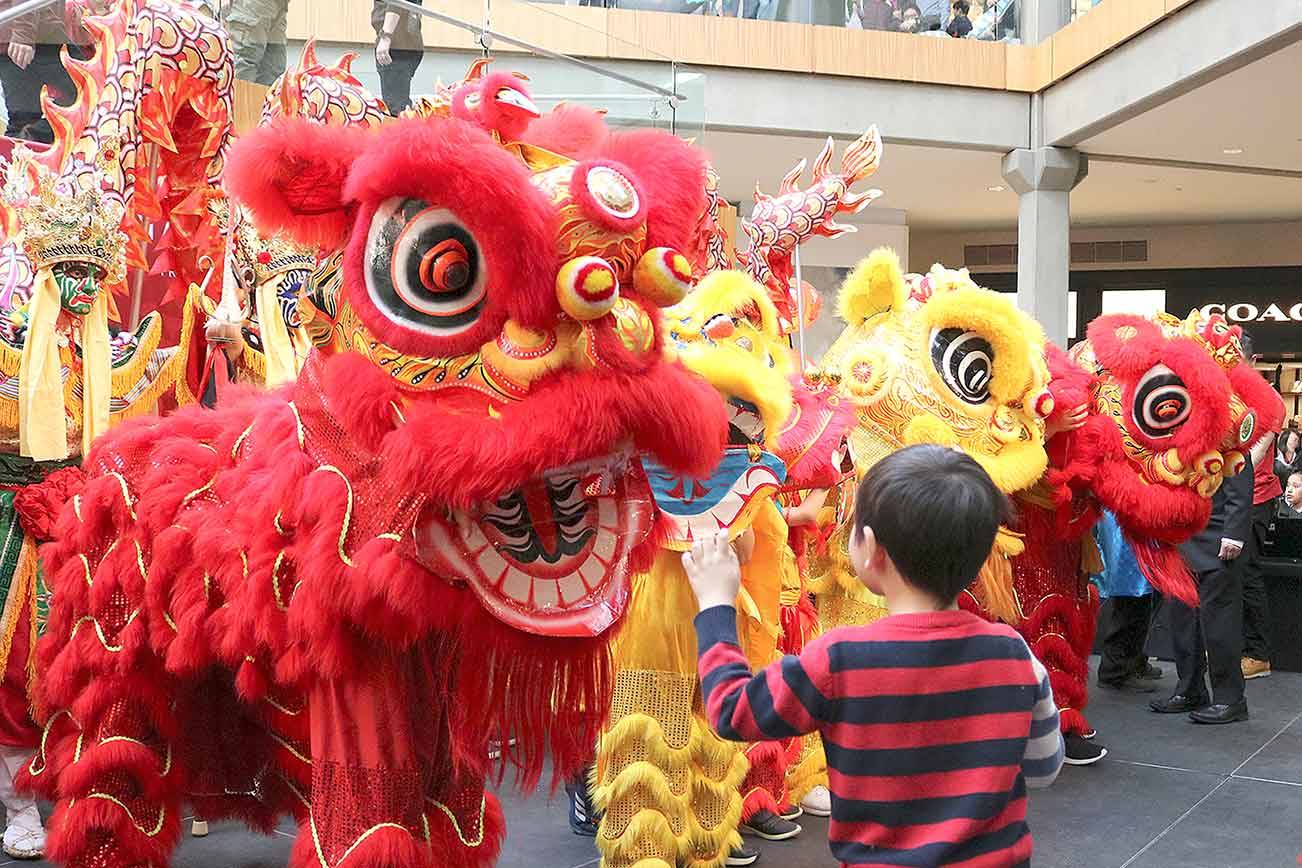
[
  {"x": 1173, "y": 408},
  {"x": 328, "y": 598}
]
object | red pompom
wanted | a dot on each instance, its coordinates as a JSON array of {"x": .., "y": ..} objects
[{"x": 39, "y": 505}]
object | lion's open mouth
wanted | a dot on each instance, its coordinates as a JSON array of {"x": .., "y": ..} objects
[{"x": 551, "y": 557}]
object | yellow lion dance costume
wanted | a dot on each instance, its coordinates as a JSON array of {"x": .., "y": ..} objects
[
  {"x": 935, "y": 359},
  {"x": 667, "y": 786}
]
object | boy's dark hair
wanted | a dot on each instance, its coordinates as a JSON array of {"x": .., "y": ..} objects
[
  {"x": 963, "y": 7},
  {"x": 936, "y": 512}
]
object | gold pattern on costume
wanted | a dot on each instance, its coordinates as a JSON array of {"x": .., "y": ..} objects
[{"x": 469, "y": 842}]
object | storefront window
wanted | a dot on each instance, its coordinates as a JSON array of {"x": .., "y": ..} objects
[{"x": 1144, "y": 302}]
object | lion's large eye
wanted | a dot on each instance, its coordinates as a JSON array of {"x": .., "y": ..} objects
[
  {"x": 1161, "y": 403},
  {"x": 965, "y": 361},
  {"x": 423, "y": 268}
]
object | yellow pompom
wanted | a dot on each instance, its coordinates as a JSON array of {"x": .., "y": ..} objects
[
  {"x": 662, "y": 276},
  {"x": 587, "y": 287},
  {"x": 875, "y": 286}
]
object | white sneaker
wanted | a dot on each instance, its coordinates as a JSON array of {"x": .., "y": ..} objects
[
  {"x": 25, "y": 836},
  {"x": 818, "y": 803}
]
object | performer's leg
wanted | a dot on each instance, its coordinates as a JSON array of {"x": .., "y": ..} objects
[
  {"x": 1220, "y": 599},
  {"x": 118, "y": 789},
  {"x": 24, "y": 836},
  {"x": 1187, "y": 644},
  {"x": 1255, "y": 609},
  {"x": 385, "y": 791},
  {"x": 1124, "y": 633}
]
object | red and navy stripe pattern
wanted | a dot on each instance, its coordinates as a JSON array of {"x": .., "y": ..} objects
[{"x": 934, "y": 725}]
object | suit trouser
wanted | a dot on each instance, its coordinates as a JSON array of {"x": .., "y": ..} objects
[
  {"x": 1216, "y": 628},
  {"x": 1125, "y": 631},
  {"x": 1255, "y": 613}
]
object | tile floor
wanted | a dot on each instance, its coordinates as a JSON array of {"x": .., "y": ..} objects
[{"x": 1170, "y": 795}]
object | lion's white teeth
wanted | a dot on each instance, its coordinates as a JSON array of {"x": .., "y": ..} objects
[
  {"x": 517, "y": 586},
  {"x": 544, "y": 594},
  {"x": 572, "y": 589},
  {"x": 492, "y": 564}
]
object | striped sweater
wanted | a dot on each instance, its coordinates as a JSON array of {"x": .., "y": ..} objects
[{"x": 934, "y": 725}]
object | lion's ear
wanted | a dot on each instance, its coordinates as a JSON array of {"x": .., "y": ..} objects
[{"x": 291, "y": 175}]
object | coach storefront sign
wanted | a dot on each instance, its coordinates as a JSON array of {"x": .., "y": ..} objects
[{"x": 1246, "y": 312}]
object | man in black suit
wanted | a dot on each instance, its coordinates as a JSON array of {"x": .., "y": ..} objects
[{"x": 1216, "y": 626}]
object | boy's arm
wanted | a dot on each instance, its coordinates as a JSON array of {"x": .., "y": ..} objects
[
  {"x": 1044, "y": 748},
  {"x": 783, "y": 701}
]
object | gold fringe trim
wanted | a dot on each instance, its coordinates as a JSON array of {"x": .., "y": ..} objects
[
  {"x": 184, "y": 395},
  {"x": 129, "y": 374},
  {"x": 810, "y": 771},
  {"x": 21, "y": 595},
  {"x": 254, "y": 365},
  {"x": 995, "y": 588},
  {"x": 147, "y": 401}
]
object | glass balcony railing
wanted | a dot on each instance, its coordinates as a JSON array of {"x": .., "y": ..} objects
[
  {"x": 1077, "y": 8},
  {"x": 990, "y": 20}
]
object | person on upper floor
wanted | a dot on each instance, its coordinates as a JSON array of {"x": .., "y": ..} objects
[
  {"x": 29, "y": 60},
  {"x": 960, "y": 25},
  {"x": 257, "y": 29},
  {"x": 399, "y": 50}
]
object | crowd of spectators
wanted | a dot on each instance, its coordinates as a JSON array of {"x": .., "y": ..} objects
[{"x": 960, "y": 19}]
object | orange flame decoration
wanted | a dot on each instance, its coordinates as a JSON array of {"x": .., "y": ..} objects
[
  {"x": 779, "y": 224},
  {"x": 159, "y": 82},
  {"x": 324, "y": 94}
]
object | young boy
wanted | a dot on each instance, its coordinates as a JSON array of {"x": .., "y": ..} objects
[{"x": 934, "y": 720}]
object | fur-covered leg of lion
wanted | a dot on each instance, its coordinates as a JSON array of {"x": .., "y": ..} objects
[
  {"x": 667, "y": 786},
  {"x": 386, "y": 792},
  {"x": 1060, "y": 629},
  {"x": 109, "y": 763},
  {"x": 644, "y": 770}
]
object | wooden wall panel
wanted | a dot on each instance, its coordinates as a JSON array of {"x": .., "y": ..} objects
[
  {"x": 964, "y": 62},
  {"x": 728, "y": 223},
  {"x": 1100, "y": 30},
  {"x": 248, "y": 100},
  {"x": 625, "y": 34},
  {"x": 576, "y": 30},
  {"x": 865, "y": 53},
  {"x": 634, "y": 35},
  {"x": 744, "y": 43},
  {"x": 1029, "y": 69}
]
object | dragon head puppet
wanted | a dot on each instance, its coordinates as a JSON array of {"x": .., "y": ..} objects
[
  {"x": 1174, "y": 409},
  {"x": 938, "y": 359}
]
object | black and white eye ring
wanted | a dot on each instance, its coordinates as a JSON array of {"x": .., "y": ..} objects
[
  {"x": 1162, "y": 402},
  {"x": 424, "y": 269}
]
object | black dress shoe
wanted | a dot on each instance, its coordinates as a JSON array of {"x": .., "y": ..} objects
[
  {"x": 1222, "y": 713},
  {"x": 1129, "y": 684},
  {"x": 1149, "y": 672},
  {"x": 1177, "y": 704}
]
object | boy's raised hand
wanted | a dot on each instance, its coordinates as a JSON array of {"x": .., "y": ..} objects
[{"x": 713, "y": 571}]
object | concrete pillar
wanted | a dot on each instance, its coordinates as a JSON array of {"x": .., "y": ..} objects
[{"x": 1043, "y": 179}]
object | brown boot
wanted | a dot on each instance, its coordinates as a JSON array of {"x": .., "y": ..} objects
[{"x": 1254, "y": 668}]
